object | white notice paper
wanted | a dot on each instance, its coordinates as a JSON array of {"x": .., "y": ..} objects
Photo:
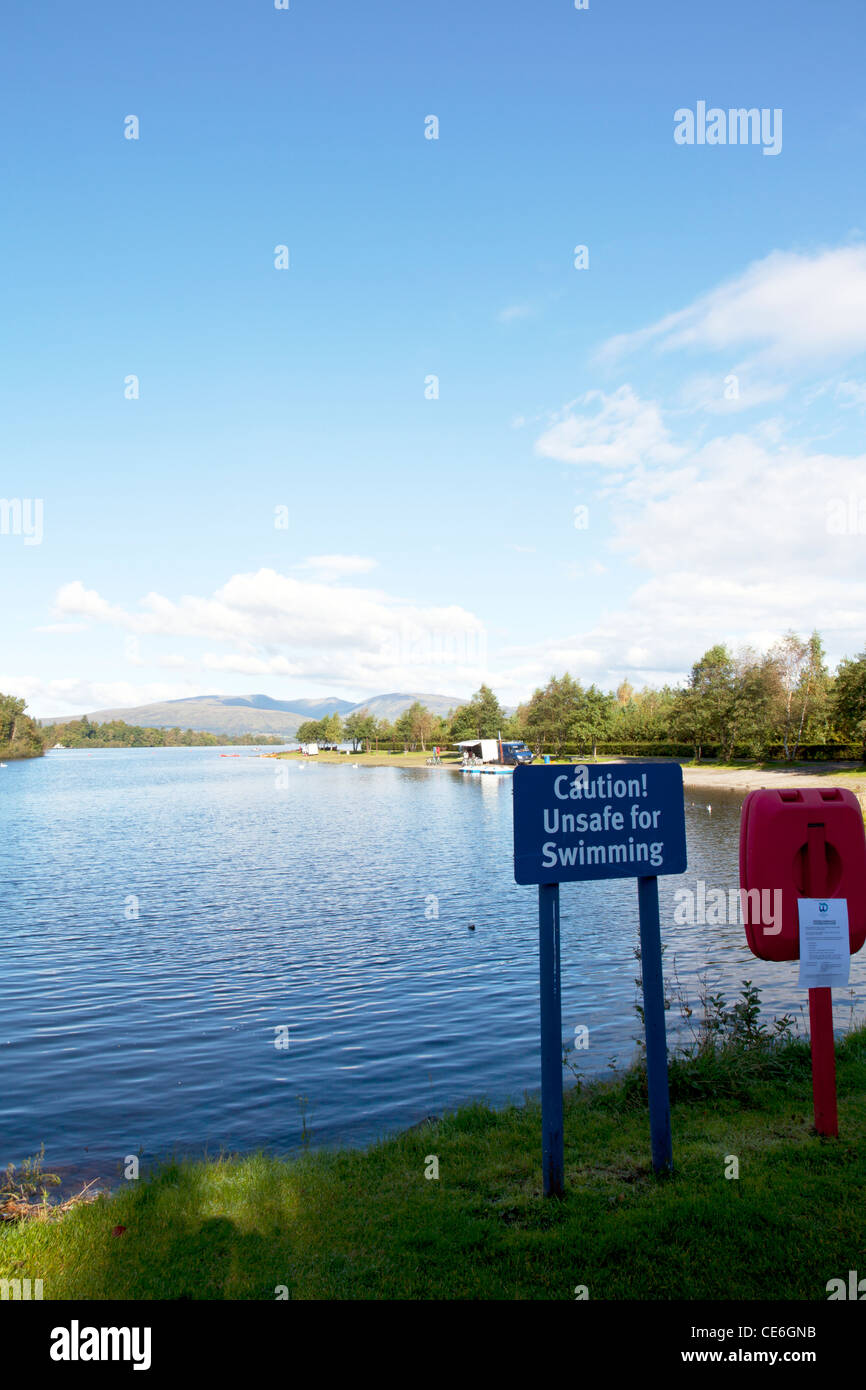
[{"x": 825, "y": 947}]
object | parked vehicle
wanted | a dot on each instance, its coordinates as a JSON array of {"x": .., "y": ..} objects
[{"x": 515, "y": 753}]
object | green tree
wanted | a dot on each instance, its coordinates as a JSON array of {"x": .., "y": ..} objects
[
  {"x": 705, "y": 710},
  {"x": 648, "y": 715},
  {"x": 802, "y": 684},
  {"x": 440, "y": 733},
  {"x": 550, "y": 715},
  {"x": 19, "y": 734},
  {"x": 755, "y": 686},
  {"x": 385, "y": 732},
  {"x": 727, "y": 700},
  {"x": 420, "y": 722},
  {"x": 360, "y": 727},
  {"x": 402, "y": 729},
  {"x": 849, "y": 700},
  {"x": 593, "y": 718},
  {"x": 311, "y": 731},
  {"x": 483, "y": 717},
  {"x": 415, "y": 725},
  {"x": 332, "y": 729}
]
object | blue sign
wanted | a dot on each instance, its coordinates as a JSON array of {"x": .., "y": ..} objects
[{"x": 622, "y": 820}]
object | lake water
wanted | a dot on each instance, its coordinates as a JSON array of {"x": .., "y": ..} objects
[{"x": 164, "y": 912}]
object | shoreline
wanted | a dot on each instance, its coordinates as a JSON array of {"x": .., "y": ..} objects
[{"x": 705, "y": 777}]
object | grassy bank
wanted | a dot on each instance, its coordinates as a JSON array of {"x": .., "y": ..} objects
[
  {"x": 372, "y": 759},
  {"x": 368, "y": 1224}
]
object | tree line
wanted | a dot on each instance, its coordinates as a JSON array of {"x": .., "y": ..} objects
[
  {"x": 416, "y": 727},
  {"x": 746, "y": 703},
  {"x": 114, "y": 733}
]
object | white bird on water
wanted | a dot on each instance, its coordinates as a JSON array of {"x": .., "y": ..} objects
[{"x": 709, "y": 808}]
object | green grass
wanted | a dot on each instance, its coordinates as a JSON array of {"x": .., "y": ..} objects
[
  {"x": 812, "y": 768},
  {"x": 418, "y": 758},
  {"x": 368, "y": 1224}
]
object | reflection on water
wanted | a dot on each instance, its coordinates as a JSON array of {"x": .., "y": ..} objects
[{"x": 166, "y": 912}]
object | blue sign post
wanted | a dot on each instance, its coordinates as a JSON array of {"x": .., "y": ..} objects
[
  {"x": 605, "y": 821},
  {"x": 551, "y": 1039}
]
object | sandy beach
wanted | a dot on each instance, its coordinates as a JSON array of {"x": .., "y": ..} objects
[{"x": 746, "y": 779}]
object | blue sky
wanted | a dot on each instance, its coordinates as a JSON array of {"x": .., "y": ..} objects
[{"x": 700, "y": 387}]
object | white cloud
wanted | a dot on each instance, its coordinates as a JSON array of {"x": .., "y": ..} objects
[
  {"x": 789, "y": 307},
  {"x": 735, "y": 544},
  {"x": 251, "y": 665},
  {"x": 745, "y": 510},
  {"x": 132, "y": 651},
  {"x": 730, "y": 538},
  {"x": 47, "y": 699},
  {"x": 851, "y": 393},
  {"x": 87, "y": 603},
  {"x": 277, "y": 624},
  {"x": 61, "y": 627},
  {"x": 621, "y": 432},
  {"x": 730, "y": 392},
  {"x": 515, "y": 311},
  {"x": 330, "y": 567}
]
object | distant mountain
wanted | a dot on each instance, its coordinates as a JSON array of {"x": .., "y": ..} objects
[
  {"x": 256, "y": 714},
  {"x": 214, "y": 714},
  {"x": 310, "y": 709},
  {"x": 390, "y": 706}
]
